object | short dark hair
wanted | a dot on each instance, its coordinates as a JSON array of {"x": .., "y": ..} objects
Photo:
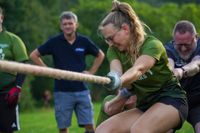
[
  {"x": 184, "y": 26},
  {"x": 68, "y": 15}
]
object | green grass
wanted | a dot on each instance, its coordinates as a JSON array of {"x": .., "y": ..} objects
[{"x": 43, "y": 121}]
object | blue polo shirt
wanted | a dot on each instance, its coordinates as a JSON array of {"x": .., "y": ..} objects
[
  {"x": 69, "y": 57},
  {"x": 190, "y": 84}
]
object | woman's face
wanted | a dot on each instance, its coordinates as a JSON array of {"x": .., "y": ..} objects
[{"x": 117, "y": 37}]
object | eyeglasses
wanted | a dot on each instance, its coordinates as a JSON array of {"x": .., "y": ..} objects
[
  {"x": 110, "y": 39},
  {"x": 186, "y": 45}
]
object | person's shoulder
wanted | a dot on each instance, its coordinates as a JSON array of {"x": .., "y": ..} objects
[
  {"x": 198, "y": 41},
  {"x": 82, "y": 37},
  {"x": 198, "y": 45},
  {"x": 151, "y": 41},
  {"x": 11, "y": 34},
  {"x": 150, "y": 37},
  {"x": 56, "y": 37},
  {"x": 169, "y": 45}
]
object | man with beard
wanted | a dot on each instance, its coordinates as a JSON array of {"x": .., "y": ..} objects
[
  {"x": 69, "y": 50},
  {"x": 184, "y": 58}
]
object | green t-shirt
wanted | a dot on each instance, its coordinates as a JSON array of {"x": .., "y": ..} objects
[
  {"x": 158, "y": 81},
  {"x": 12, "y": 48}
]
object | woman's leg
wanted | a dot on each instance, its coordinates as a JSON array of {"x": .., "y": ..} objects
[
  {"x": 119, "y": 123},
  {"x": 160, "y": 118}
]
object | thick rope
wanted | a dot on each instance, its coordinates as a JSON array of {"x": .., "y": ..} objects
[{"x": 9, "y": 66}]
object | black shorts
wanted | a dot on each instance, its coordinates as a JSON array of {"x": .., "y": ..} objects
[
  {"x": 180, "y": 104},
  {"x": 194, "y": 115},
  {"x": 9, "y": 116}
]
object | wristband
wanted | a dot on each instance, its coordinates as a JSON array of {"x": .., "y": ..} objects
[
  {"x": 125, "y": 93},
  {"x": 184, "y": 72},
  {"x": 18, "y": 86}
]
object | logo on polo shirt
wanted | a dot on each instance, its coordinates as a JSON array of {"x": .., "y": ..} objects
[{"x": 79, "y": 49}]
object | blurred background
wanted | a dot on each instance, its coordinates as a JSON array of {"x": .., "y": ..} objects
[{"x": 37, "y": 20}]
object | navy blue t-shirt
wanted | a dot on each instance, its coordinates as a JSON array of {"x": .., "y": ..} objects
[
  {"x": 70, "y": 57},
  {"x": 190, "y": 84}
]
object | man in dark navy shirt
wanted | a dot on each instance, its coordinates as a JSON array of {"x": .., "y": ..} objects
[
  {"x": 184, "y": 58},
  {"x": 69, "y": 50}
]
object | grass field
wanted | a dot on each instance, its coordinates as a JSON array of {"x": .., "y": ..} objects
[{"x": 43, "y": 121}]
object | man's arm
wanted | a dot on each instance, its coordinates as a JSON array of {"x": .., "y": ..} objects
[
  {"x": 192, "y": 68},
  {"x": 188, "y": 70},
  {"x": 178, "y": 72},
  {"x": 97, "y": 62},
  {"x": 35, "y": 57}
]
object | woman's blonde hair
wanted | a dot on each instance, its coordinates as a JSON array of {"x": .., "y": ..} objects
[{"x": 121, "y": 13}]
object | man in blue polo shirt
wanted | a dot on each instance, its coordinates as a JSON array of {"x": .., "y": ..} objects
[
  {"x": 69, "y": 50},
  {"x": 184, "y": 58}
]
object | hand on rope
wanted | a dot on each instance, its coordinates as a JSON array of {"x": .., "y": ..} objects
[
  {"x": 115, "y": 81},
  {"x": 191, "y": 69}
]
